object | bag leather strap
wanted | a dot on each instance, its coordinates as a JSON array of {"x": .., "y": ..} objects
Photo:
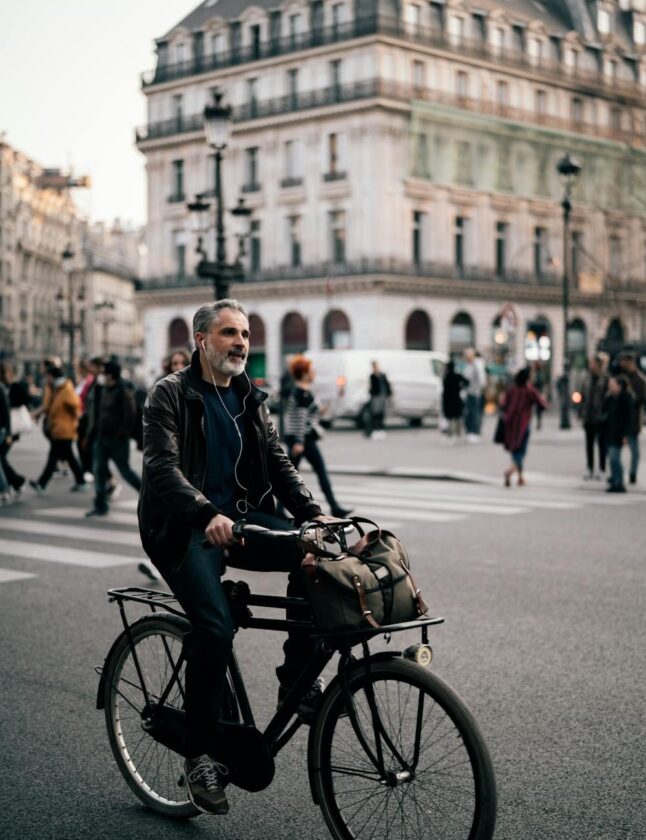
[{"x": 365, "y": 611}]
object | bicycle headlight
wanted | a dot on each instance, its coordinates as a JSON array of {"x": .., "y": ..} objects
[{"x": 422, "y": 654}]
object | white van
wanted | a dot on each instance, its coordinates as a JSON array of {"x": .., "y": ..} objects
[{"x": 343, "y": 379}]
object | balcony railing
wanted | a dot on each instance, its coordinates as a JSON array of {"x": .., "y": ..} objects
[
  {"x": 386, "y": 25},
  {"x": 371, "y": 88},
  {"x": 334, "y": 176},
  {"x": 383, "y": 266}
]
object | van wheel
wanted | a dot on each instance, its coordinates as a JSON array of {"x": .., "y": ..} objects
[{"x": 415, "y": 422}]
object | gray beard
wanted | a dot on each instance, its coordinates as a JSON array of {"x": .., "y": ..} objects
[{"x": 223, "y": 364}]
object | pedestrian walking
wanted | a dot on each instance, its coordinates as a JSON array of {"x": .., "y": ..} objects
[
  {"x": 12, "y": 395},
  {"x": 302, "y": 429},
  {"x": 474, "y": 390},
  {"x": 5, "y": 441},
  {"x": 84, "y": 389},
  {"x": 380, "y": 392},
  {"x": 637, "y": 385},
  {"x": 518, "y": 404},
  {"x": 116, "y": 419},
  {"x": 62, "y": 415},
  {"x": 593, "y": 395},
  {"x": 619, "y": 414},
  {"x": 452, "y": 403}
]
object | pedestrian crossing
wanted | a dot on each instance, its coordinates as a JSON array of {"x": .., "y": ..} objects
[{"x": 64, "y": 536}]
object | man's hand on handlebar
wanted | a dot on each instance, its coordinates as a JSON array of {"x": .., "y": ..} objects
[{"x": 219, "y": 531}]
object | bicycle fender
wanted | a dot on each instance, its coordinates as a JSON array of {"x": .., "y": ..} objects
[
  {"x": 381, "y": 656},
  {"x": 181, "y": 624}
]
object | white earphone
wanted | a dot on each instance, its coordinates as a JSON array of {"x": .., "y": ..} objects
[{"x": 242, "y": 505}]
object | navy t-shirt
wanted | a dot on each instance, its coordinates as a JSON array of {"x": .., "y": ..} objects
[{"x": 223, "y": 447}]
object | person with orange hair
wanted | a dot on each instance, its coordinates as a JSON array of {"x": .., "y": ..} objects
[{"x": 302, "y": 430}]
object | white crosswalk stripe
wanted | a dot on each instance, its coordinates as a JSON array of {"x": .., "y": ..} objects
[{"x": 99, "y": 543}]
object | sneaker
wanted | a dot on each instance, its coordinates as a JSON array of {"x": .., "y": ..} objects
[
  {"x": 588, "y": 475},
  {"x": 616, "y": 488},
  {"x": 37, "y": 487},
  {"x": 96, "y": 512},
  {"x": 204, "y": 785},
  {"x": 633, "y": 478},
  {"x": 81, "y": 487},
  {"x": 6, "y": 499},
  {"x": 309, "y": 704},
  {"x": 473, "y": 438},
  {"x": 88, "y": 478},
  {"x": 114, "y": 490}
]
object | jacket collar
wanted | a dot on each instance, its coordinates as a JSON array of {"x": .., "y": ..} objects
[{"x": 191, "y": 377}]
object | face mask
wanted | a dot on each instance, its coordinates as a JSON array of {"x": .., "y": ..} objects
[{"x": 100, "y": 380}]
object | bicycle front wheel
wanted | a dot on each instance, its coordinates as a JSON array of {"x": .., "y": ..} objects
[
  {"x": 153, "y": 771},
  {"x": 438, "y": 782}
]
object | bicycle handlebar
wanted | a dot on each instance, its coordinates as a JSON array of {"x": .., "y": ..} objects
[{"x": 242, "y": 528}]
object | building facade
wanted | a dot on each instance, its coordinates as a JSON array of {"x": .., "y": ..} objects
[
  {"x": 42, "y": 299},
  {"x": 400, "y": 161}
]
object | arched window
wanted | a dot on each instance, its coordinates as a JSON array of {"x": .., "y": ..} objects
[
  {"x": 615, "y": 333},
  {"x": 461, "y": 335},
  {"x": 418, "y": 331},
  {"x": 178, "y": 334},
  {"x": 257, "y": 366},
  {"x": 336, "y": 330},
  {"x": 577, "y": 341},
  {"x": 293, "y": 334}
]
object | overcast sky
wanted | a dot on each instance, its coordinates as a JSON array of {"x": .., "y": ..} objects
[{"x": 70, "y": 92}]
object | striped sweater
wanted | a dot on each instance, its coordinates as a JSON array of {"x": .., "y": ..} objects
[{"x": 301, "y": 415}]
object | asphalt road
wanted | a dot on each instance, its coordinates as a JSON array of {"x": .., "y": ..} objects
[{"x": 542, "y": 590}]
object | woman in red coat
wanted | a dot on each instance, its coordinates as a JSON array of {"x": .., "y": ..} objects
[{"x": 518, "y": 403}]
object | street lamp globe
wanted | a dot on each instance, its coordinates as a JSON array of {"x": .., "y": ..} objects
[
  {"x": 217, "y": 122},
  {"x": 199, "y": 214},
  {"x": 241, "y": 215},
  {"x": 568, "y": 168},
  {"x": 68, "y": 259}
]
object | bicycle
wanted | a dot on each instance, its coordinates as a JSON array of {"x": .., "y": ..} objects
[{"x": 393, "y": 751}]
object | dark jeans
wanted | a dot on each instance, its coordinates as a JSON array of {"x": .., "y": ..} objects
[
  {"x": 595, "y": 432},
  {"x": 616, "y": 467},
  {"x": 472, "y": 414},
  {"x": 518, "y": 455},
  {"x": 198, "y": 587},
  {"x": 312, "y": 455},
  {"x": 60, "y": 450},
  {"x": 111, "y": 449},
  {"x": 15, "y": 479}
]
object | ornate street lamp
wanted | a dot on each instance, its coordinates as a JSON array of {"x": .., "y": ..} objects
[
  {"x": 105, "y": 311},
  {"x": 568, "y": 169},
  {"x": 66, "y": 305},
  {"x": 217, "y": 125}
]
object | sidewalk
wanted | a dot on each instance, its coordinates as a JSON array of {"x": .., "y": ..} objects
[{"x": 556, "y": 458}]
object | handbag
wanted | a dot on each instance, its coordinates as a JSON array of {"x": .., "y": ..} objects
[
  {"x": 499, "y": 433},
  {"x": 367, "y": 585},
  {"x": 21, "y": 421}
]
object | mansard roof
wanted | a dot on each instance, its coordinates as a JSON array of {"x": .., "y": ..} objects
[{"x": 559, "y": 16}]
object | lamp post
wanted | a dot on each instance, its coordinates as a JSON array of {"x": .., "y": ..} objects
[
  {"x": 105, "y": 311},
  {"x": 66, "y": 304},
  {"x": 217, "y": 123},
  {"x": 568, "y": 169}
]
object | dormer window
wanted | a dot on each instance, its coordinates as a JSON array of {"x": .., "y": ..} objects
[{"x": 603, "y": 21}]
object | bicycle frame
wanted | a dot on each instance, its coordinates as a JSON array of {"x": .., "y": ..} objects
[{"x": 279, "y": 730}]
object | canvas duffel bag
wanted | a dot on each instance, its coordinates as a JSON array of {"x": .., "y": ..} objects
[{"x": 366, "y": 585}]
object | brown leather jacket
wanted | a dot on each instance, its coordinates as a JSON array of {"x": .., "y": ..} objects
[{"x": 171, "y": 502}]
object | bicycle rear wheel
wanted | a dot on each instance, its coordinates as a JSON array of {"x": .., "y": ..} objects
[
  {"x": 153, "y": 771},
  {"x": 439, "y": 782}
]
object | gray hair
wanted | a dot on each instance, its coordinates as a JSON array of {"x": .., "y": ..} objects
[{"x": 209, "y": 313}]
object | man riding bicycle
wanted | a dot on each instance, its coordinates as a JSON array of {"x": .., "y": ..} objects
[{"x": 212, "y": 456}]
